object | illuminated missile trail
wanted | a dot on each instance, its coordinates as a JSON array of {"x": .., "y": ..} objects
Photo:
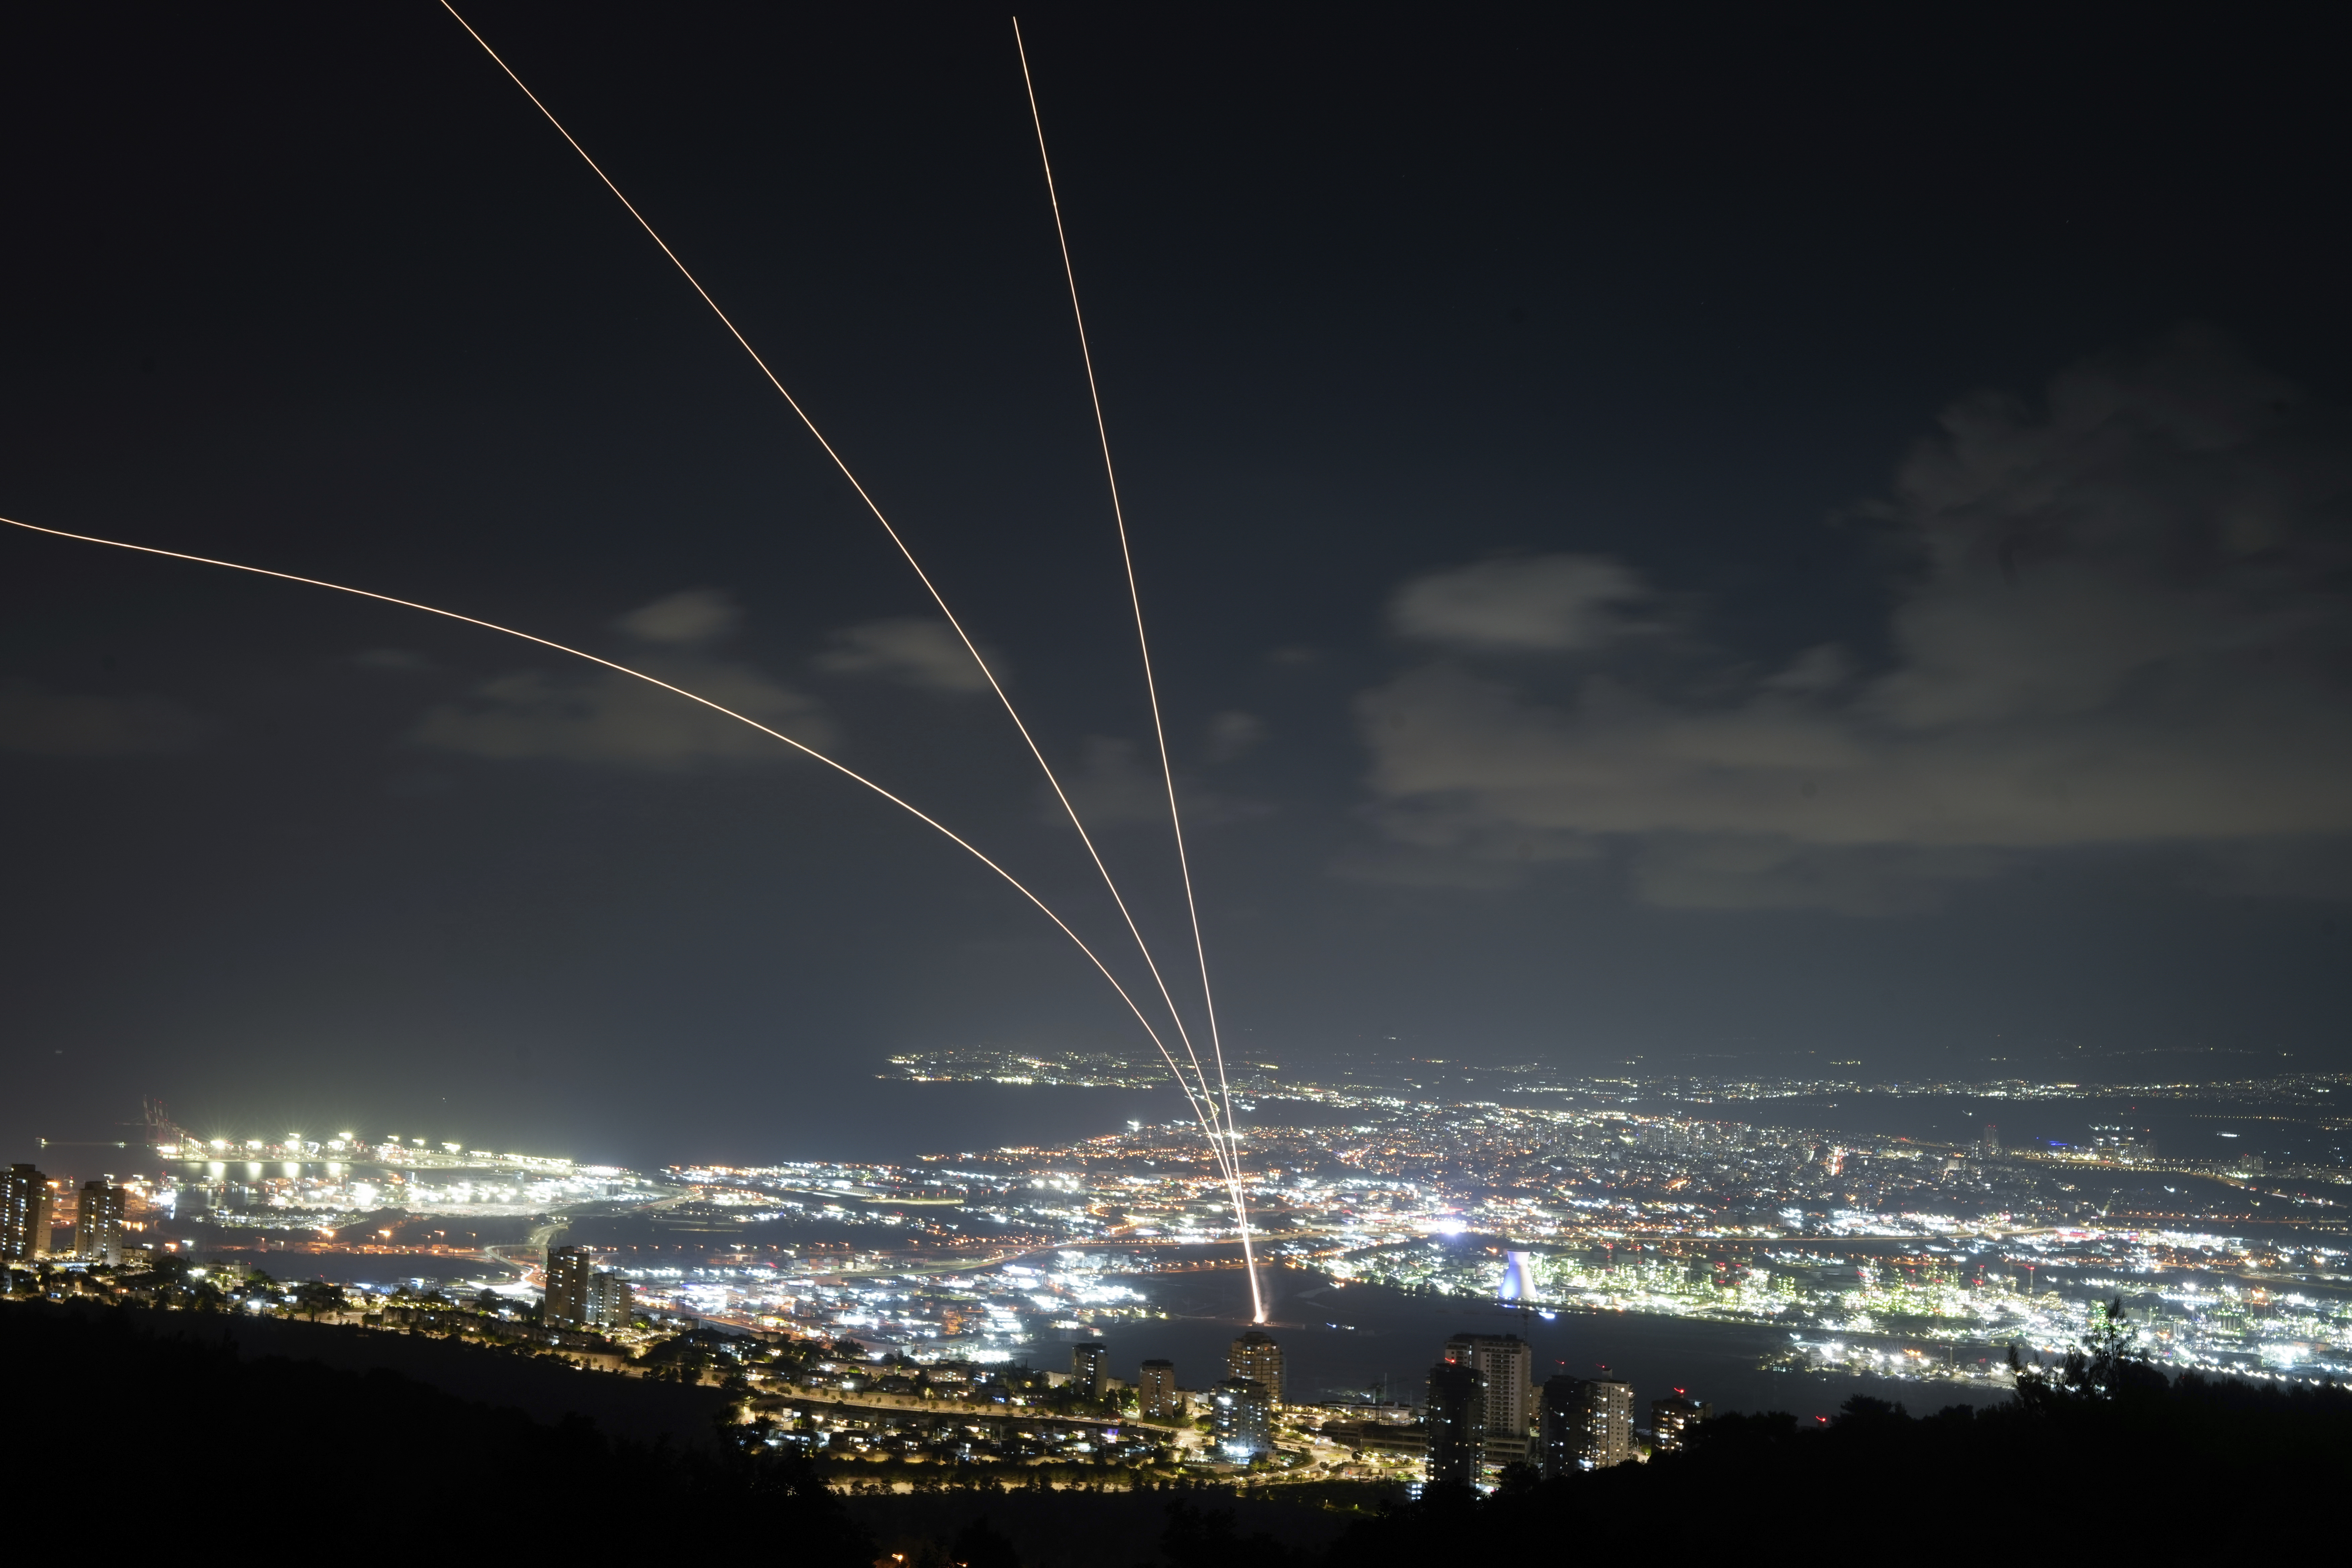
[
  {"x": 1221, "y": 1146},
  {"x": 1204, "y": 1116},
  {"x": 1151, "y": 683}
]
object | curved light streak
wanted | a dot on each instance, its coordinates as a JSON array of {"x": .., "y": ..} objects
[
  {"x": 1150, "y": 682},
  {"x": 1175, "y": 1015},
  {"x": 1204, "y": 1118}
]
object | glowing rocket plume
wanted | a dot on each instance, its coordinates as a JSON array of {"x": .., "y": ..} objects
[
  {"x": 1204, "y": 1116},
  {"x": 1221, "y": 1147},
  {"x": 1151, "y": 683}
]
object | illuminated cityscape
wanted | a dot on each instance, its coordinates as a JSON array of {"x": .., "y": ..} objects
[{"x": 928, "y": 1322}]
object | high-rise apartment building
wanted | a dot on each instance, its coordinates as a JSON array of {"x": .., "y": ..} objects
[
  {"x": 1992, "y": 1140},
  {"x": 1610, "y": 1428},
  {"x": 97, "y": 1223},
  {"x": 1588, "y": 1424},
  {"x": 611, "y": 1302},
  {"x": 1259, "y": 1359},
  {"x": 1241, "y": 1418},
  {"x": 24, "y": 1215},
  {"x": 1671, "y": 1421},
  {"x": 1089, "y": 1368},
  {"x": 1156, "y": 1398},
  {"x": 1558, "y": 1440},
  {"x": 570, "y": 1270},
  {"x": 1457, "y": 1420},
  {"x": 1505, "y": 1366},
  {"x": 577, "y": 1294}
]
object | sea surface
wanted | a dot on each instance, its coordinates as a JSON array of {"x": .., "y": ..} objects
[{"x": 1358, "y": 1338}]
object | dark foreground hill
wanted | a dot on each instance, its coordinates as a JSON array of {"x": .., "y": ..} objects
[
  {"x": 547, "y": 1388},
  {"x": 178, "y": 1434},
  {"x": 2108, "y": 1454},
  {"x": 111, "y": 1426},
  {"x": 1038, "y": 1529}
]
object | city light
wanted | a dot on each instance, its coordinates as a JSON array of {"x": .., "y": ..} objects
[{"x": 1598, "y": 1201}]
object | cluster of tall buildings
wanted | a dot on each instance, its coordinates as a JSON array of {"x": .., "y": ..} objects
[
  {"x": 1587, "y": 1424},
  {"x": 580, "y": 1294},
  {"x": 1486, "y": 1412},
  {"x": 26, "y": 1216},
  {"x": 1240, "y": 1407}
]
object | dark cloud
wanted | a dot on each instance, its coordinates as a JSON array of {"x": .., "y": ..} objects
[
  {"x": 2122, "y": 619},
  {"x": 1427, "y": 850},
  {"x": 393, "y": 660},
  {"x": 1118, "y": 783},
  {"x": 1547, "y": 604},
  {"x": 1115, "y": 785},
  {"x": 1233, "y": 735},
  {"x": 688, "y": 618},
  {"x": 610, "y": 718},
  {"x": 37, "y": 721},
  {"x": 914, "y": 649},
  {"x": 1765, "y": 872},
  {"x": 605, "y": 717},
  {"x": 2275, "y": 869}
]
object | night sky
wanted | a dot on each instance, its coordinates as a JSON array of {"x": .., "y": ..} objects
[{"x": 1728, "y": 542}]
